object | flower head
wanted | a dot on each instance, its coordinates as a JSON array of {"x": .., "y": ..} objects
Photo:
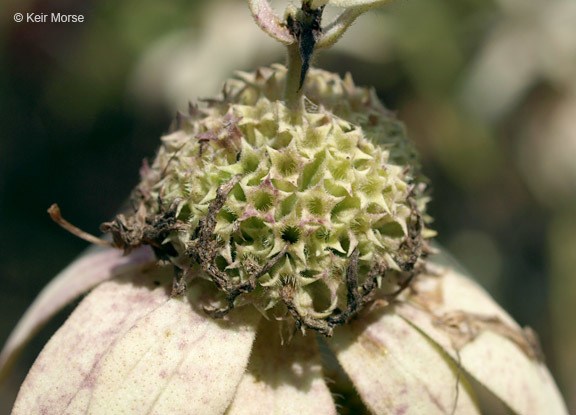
[
  {"x": 302, "y": 212},
  {"x": 268, "y": 225}
]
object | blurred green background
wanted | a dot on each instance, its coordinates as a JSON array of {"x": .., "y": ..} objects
[{"x": 486, "y": 88}]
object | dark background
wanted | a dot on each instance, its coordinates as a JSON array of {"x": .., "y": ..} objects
[{"x": 81, "y": 105}]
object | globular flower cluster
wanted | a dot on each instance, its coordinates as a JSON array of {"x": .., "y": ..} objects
[
  {"x": 307, "y": 203},
  {"x": 303, "y": 210}
]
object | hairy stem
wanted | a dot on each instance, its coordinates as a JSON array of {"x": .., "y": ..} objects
[{"x": 292, "y": 90}]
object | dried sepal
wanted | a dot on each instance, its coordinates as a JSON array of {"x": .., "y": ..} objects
[{"x": 92, "y": 268}]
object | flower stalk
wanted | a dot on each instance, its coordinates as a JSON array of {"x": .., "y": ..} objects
[
  {"x": 293, "y": 90},
  {"x": 305, "y": 25},
  {"x": 302, "y": 33}
]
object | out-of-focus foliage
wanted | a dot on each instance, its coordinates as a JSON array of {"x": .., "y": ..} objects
[{"x": 487, "y": 89}]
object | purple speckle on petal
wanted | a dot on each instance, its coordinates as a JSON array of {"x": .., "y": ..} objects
[{"x": 401, "y": 410}]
